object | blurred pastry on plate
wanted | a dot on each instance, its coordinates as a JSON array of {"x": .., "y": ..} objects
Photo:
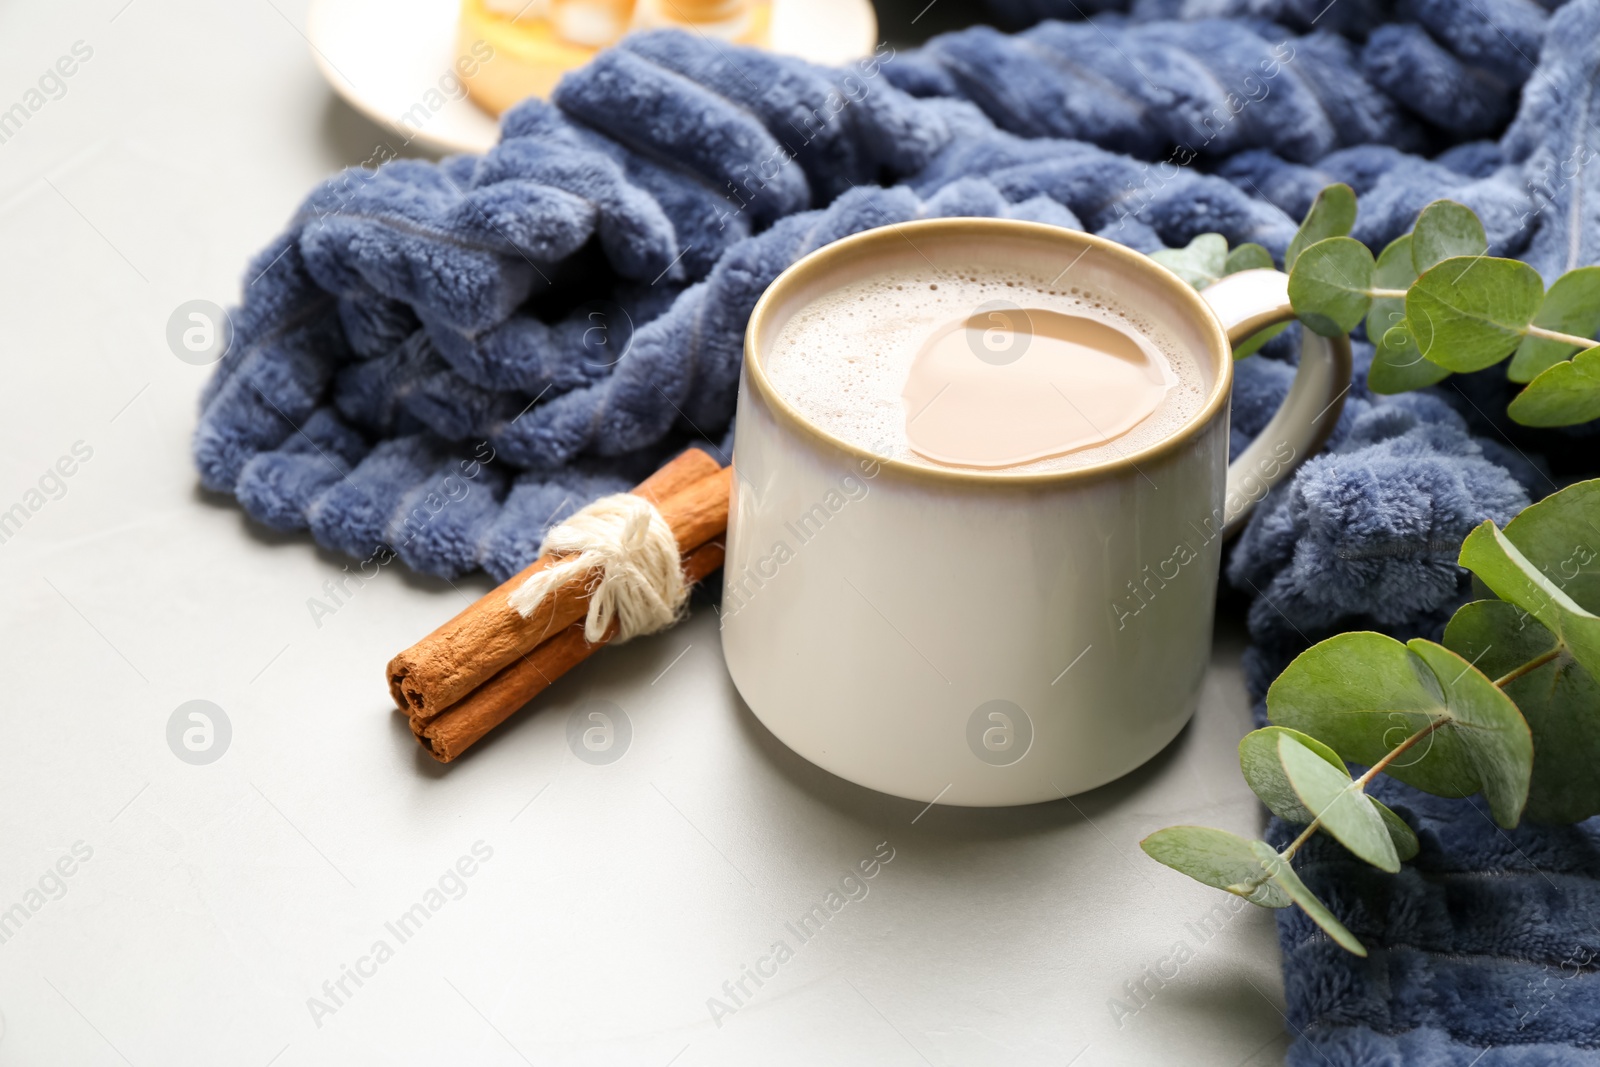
[{"x": 520, "y": 48}]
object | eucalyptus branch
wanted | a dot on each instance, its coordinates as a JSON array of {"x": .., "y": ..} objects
[
  {"x": 1564, "y": 338},
  {"x": 1437, "y": 291},
  {"x": 1400, "y": 749},
  {"x": 1305, "y": 835},
  {"x": 1361, "y": 783},
  {"x": 1434, "y": 303},
  {"x": 1527, "y": 668}
]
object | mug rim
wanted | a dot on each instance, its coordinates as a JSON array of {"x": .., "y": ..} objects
[{"x": 848, "y": 249}]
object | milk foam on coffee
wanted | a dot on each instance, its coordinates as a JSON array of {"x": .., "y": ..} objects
[{"x": 987, "y": 369}]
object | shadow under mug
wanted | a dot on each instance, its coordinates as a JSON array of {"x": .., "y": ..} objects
[{"x": 990, "y": 637}]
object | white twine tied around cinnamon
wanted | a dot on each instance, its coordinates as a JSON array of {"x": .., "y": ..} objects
[{"x": 639, "y": 582}]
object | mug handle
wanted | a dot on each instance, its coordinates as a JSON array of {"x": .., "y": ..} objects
[{"x": 1247, "y": 303}]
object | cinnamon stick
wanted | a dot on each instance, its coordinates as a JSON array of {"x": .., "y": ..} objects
[
  {"x": 695, "y": 514},
  {"x": 453, "y": 731},
  {"x": 471, "y": 648}
]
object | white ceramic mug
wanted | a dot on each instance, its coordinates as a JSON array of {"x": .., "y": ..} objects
[{"x": 987, "y": 638}]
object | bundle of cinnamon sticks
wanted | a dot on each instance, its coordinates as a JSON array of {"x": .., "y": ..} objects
[{"x": 472, "y": 673}]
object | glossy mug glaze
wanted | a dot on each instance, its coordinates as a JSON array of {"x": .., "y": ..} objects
[{"x": 996, "y": 637}]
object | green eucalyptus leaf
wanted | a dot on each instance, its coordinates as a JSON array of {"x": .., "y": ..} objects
[
  {"x": 1200, "y": 262},
  {"x": 1560, "y": 700},
  {"x": 1403, "y": 836},
  {"x": 1249, "y": 869},
  {"x": 1285, "y": 879},
  {"x": 1469, "y": 312},
  {"x": 1252, "y": 344},
  {"x": 1571, "y": 306},
  {"x": 1497, "y": 636},
  {"x": 1219, "y": 859},
  {"x": 1560, "y": 539},
  {"x": 1332, "y": 214},
  {"x": 1493, "y": 732},
  {"x": 1561, "y": 536},
  {"x": 1445, "y": 229},
  {"x": 1503, "y": 567},
  {"x": 1330, "y": 285},
  {"x": 1564, "y": 395},
  {"x": 1264, "y": 772},
  {"x": 1397, "y": 363},
  {"x": 1392, "y": 270},
  {"x": 1364, "y": 694},
  {"x": 1248, "y": 256},
  {"x": 1344, "y": 810}
]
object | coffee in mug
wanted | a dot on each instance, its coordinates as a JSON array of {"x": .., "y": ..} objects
[
  {"x": 981, "y": 484},
  {"x": 998, "y": 369}
]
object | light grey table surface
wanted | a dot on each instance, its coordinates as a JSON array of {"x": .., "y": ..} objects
[{"x": 208, "y": 905}]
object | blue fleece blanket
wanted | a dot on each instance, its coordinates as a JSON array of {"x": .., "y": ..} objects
[{"x": 441, "y": 360}]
